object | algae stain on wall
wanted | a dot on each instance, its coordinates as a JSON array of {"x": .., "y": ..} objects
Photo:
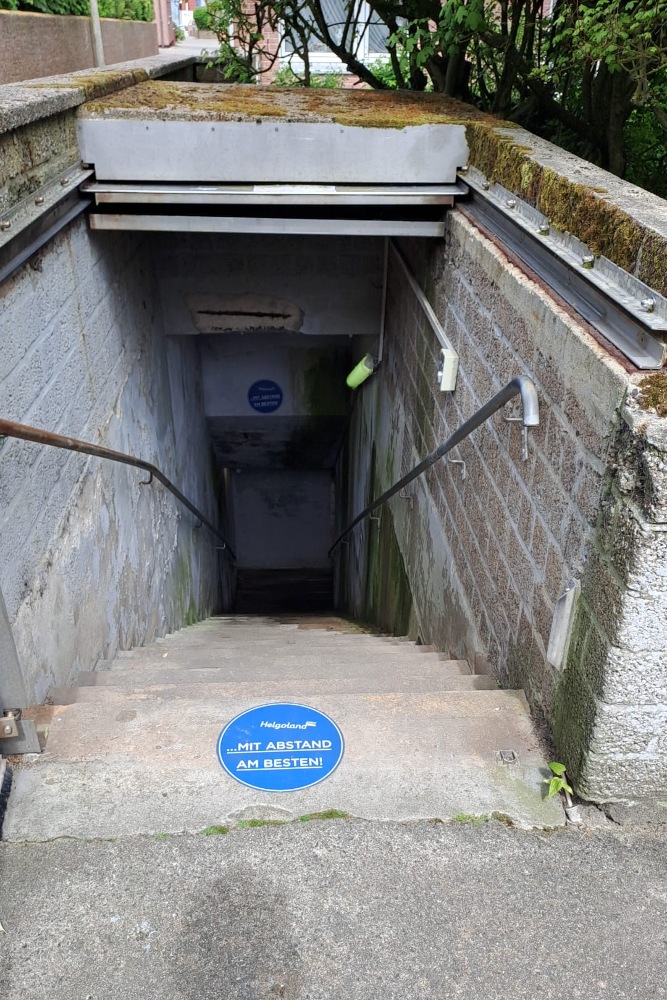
[
  {"x": 324, "y": 389},
  {"x": 388, "y": 599}
]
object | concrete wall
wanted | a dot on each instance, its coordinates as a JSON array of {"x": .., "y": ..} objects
[
  {"x": 282, "y": 518},
  {"x": 486, "y": 558},
  {"x": 610, "y": 716},
  {"x": 90, "y": 560},
  {"x": 328, "y": 286},
  {"x": 307, "y": 427},
  {"x": 39, "y": 45},
  {"x": 38, "y": 124}
]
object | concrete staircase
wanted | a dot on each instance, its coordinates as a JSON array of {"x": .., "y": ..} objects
[
  {"x": 277, "y": 591},
  {"x": 132, "y": 748}
]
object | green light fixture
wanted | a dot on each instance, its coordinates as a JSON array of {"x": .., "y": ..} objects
[{"x": 361, "y": 372}]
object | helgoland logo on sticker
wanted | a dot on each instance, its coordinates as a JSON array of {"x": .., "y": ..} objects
[
  {"x": 259, "y": 759},
  {"x": 287, "y": 725}
]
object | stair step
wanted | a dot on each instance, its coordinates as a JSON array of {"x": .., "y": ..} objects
[
  {"x": 278, "y": 659},
  {"x": 429, "y": 672},
  {"x": 283, "y": 633},
  {"x": 185, "y": 687},
  {"x": 229, "y": 647},
  {"x": 284, "y": 590},
  {"x": 147, "y": 766}
]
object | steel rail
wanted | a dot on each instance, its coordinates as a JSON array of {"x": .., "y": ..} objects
[
  {"x": 519, "y": 386},
  {"x": 10, "y": 429}
]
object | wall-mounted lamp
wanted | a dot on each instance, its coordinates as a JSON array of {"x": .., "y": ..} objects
[
  {"x": 361, "y": 372},
  {"x": 447, "y": 370}
]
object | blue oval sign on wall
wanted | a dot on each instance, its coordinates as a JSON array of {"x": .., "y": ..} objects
[
  {"x": 265, "y": 396},
  {"x": 280, "y": 748}
]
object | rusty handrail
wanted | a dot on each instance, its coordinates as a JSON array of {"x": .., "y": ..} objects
[
  {"x": 519, "y": 386},
  {"x": 10, "y": 429}
]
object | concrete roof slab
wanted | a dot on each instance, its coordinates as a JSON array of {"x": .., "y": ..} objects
[{"x": 164, "y": 131}]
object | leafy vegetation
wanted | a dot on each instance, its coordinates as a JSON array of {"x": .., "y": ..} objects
[
  {"x": 129, "y": 10},
  {"x": 590, "y": 75},
  {"x": 202, "y": 18},
  {"x": 559, "y": 781},
  {"x": 286, "y": 77}
]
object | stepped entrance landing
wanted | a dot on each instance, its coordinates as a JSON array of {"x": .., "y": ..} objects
[{"x": 132, "y": 749}]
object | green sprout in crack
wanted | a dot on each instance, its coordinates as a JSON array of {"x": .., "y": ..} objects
[{"x": 559, "y": 782}]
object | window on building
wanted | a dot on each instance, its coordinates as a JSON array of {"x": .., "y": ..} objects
[{"x": 370, "y": 41}]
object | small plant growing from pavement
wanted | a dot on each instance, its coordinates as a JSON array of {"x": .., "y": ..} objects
[{"x": 558, "y": 783}]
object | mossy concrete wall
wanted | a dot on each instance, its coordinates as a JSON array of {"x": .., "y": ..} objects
[
  {"x": 616, "y": 219},
  {"x": 486, "y": 558},
  {"x": 38, "y": 119},
  {"x": 610, "y": 716}
]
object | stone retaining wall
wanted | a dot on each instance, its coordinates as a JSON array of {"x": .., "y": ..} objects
[{"x": 41, "y": 45}]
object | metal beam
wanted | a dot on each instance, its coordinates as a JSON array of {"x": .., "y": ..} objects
[
  {"x": 628, "y": 313},
  {"x": 275, "y": 194},
  {"x": 154, "y": 146},
  {"x": 282, "y": 226},
  {"x": 31, "y": 223}
]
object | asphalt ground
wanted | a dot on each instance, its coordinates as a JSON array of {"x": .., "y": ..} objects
[{"x": 338, "y": 909}]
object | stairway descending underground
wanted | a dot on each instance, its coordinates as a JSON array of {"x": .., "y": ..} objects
[{"x": 132, "y": 748}]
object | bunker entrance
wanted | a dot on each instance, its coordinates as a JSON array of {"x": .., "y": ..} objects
[
  {"x": 268, "y": 328},
  {"x": 274, "y": 212}
]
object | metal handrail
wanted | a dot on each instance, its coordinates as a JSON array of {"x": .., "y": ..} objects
[
  {"x": 8, "y": 428},
  {"x": 519, "y": 386}
]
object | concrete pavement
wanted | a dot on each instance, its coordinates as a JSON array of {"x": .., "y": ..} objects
[
  {"x": 338, "y": 910},
  {"x": 132, "y": 749}
]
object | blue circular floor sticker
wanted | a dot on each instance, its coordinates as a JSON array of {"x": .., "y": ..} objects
[
  {"x": 280, "y": 748},
  {"x": 265, "y": 396}
]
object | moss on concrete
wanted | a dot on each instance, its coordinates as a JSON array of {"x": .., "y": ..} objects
[
  {"x": 580, "y": 210},
  {"x": 651, "y": 265},
  {"x": 654, "y": 393},
  {"x": 498, "y": 150},
  {"x": 226, "y": 102},
  {"x": 94, "y": 84},
  {"x": 498, "y": 155},
  {"x": 33, "y": 154},
  {"x": 325, "y": 814},
  {"x": 574, "y": 709},
  {"x": 253, "y": 824}
]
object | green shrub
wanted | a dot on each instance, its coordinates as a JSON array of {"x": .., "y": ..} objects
[
  {"x": 202, "y": 18},
  {"x": 129, "y": 10},
  {"x": 286, "y": 77}
]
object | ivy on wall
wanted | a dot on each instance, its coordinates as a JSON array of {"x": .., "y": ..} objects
[{"x": 129, "y": 10}]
